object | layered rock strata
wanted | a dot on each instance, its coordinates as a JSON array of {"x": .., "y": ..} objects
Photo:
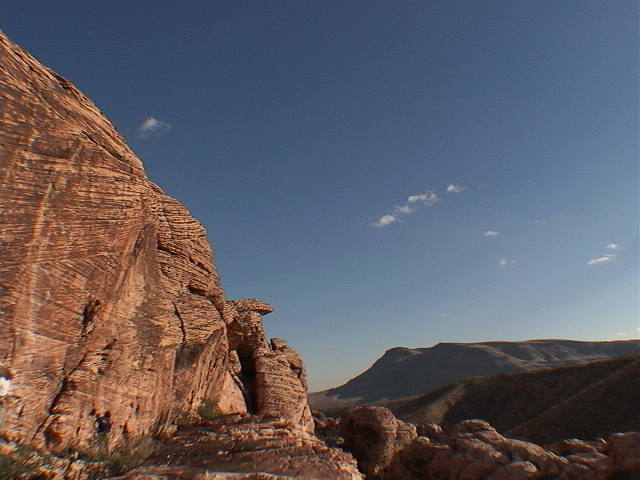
[
  {"x": 113, "y": 319},
  {"x": 374, "y": 435},
  {"x": 246, "y": 448},
  {"x": 272, "y": 375}
]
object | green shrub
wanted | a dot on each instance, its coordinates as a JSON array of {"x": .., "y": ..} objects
[
  {"x": 108, "y": 463},
  {"x": 131, "y": 455},
  {"x": 208, "y": 410},
  {"x": 182, "y": 416},
  {"x": 22, "y": 464},
  {"x": 25, "y": 463}
]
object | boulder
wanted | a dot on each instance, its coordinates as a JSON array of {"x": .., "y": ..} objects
[{"x": 373, "y": 435}]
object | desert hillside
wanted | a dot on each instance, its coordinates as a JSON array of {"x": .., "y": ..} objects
[
  {"x": 404, "y": 372},
  {"x": 543, "y": 406}
]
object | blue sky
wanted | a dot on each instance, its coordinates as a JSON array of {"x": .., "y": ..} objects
[{"x": 316, "y": 141}]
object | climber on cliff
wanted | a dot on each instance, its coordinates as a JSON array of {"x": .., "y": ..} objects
[{"x": 103, "y": 423}]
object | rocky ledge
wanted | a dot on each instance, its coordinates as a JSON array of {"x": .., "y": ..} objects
[{"x": 245, "y": 447}]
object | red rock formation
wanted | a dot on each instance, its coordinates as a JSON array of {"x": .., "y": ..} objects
[
  {"x": 624, "y": 452},
  {"x": 386, "y": 449},
  {"x": 272, "y": 376},
  {"x": 374, "y": 435},
  {"x": 249, "y": 448},
  {"x": 113, "y": 318}
]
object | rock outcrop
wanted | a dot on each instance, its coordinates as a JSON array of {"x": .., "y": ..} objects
[
  {"x": 389, "y": 449},
  {"x": 113, "y": 318},
  {"x": 374, "y": 435},
  {"x": 246, "y": 448},
  {"x": 272, "y": 376}
]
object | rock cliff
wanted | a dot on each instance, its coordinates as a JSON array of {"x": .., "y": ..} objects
[{"x": 113, "y": 319}]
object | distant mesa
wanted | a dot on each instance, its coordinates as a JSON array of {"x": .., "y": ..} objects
[{"x": 586, "y": 401}]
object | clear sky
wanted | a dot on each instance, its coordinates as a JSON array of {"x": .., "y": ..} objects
[{"x": 386, "y": 173}]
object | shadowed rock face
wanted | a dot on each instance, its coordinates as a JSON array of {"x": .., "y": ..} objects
[
  {"x": 389, "y": 449},
  {"x": 373, "y": 435},
  {"x": 113, "y": 318}
]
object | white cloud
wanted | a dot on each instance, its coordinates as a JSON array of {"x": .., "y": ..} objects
[
  {"x": 453, "y": 188},
  {"x": 428, "y": 198},
  {"x": 152, "y": 127},
  {"x": 504, "y": 261},
  {"x": 385, "y": 220},
  {"x": 613, "y": 246},
  {"x": 491, "y": 233},
  {"x": 605, "y": 259},
  {"x": 406, "y": 209}
]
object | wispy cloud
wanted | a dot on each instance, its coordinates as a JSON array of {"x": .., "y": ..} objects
[
  {"x": 152, "y": 127},
  {"x": 385, "y": 220},
  {"x": 405, "y": 209},
  {"x": 605, "y": 259},
  {"x": 613, "y": 246},
  {"x": 428, "y": 198},
  {"x": 491, "y": 233},
  {"x": 504, "y": 261},
  {"x": 413, "y": 202},
  {"x": 453, "y": 188}
]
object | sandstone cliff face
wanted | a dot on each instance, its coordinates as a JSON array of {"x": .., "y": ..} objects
[{"x": 112, "y": 315}]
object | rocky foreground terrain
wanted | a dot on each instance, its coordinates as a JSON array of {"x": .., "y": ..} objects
[
  {"x": 121, "y": 357},
  {"x": 390, "y": 449}
]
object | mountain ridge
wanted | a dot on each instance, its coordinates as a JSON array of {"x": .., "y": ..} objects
[
  {"x": 403, "y": 372},
  {"x": 540, "y": 406}
]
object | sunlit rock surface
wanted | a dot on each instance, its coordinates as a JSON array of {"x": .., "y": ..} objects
[
  {"x": 113, "y": 318},
  {"x": 250, "y": 448}
]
